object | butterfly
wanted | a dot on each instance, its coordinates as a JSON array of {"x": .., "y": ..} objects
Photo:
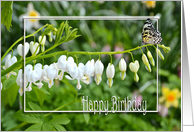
[{"x": 149, "y": 34}]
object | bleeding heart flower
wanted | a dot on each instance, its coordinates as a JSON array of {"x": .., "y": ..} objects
[
  {"x": 33, "y": 47},
  {"x": 20, "y": 49}
]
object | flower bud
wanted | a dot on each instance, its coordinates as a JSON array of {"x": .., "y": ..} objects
[
  {"x": 165, "y": 49},
  {"x": 146, "y": 62},
  {"x": 110, "y": 72},
  {"x": 55, "y": 31},
  {"x": 122, "y": 68},
  {"x": 151, "y": 58},
  {"x": 98, "y": 69},
  {"x": 160, "y": 54},
  {"x": 50, "y": 37}
]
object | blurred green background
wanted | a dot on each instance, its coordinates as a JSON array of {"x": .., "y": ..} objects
[{"x": 100, "y": 35}]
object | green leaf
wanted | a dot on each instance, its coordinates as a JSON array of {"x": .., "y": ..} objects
[
  {"x": 49, "y": 29},
  {"x": 59, "y": 127},
  {"x": 41, "y": 96},
  {"x": 6, "y": 13},
  {"x": 34, "y": 106},
  {"x": 60, "y": 31},
  {"x": 29, "y": 117},
  {"x": 9, "y": 92},
  {"x": 61, "y": 119},
  {"x": 35, "y": 127},
  {"x": 40, "y": 127},
  {"x": 9, "y": 82},
  {"x": 47, "y": 127},
  {"x": 86, "y": 117}
]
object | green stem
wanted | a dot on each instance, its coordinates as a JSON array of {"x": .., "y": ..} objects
[
  {"x": 131, "y": 56},
  {"x": 20, "y": 39},
  {"x": 19, "y": 64}
]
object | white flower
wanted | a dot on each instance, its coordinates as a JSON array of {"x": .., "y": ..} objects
[
  {"x": 122, "y": 68},
  {"x": 31, "y": 13},
  {"x": 33, "y": 75},
  {"x": 20, "y": 82},
  {"x": 62, "y": 65},
  {"x": 43, "y": 40},
  {"x": 70, "y": 61},
  {"x": 160, "y": 54},
  {"x": 20, "y": 49},
  {"x": 98, "y": 69},
  {"x": 9, "y": 62},
  {"x": 110, "y": 72},
  {"x": 51, "y": 72},
  {"x": 134, "y": 67},
  {"x": 76, "y": 72},
  {"x": 33, "y": 47},
  {"x": 146, "y": 62},
  {"x": 89, "y": 70}
]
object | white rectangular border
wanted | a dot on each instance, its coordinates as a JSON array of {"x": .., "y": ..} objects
[{"x": 92, "y": 18}]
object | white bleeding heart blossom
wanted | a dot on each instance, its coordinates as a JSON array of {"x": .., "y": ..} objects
[
  {"x": 43, "y": 40},
  {"x": 134, "y": 67},
  {"x": 33, "y": 47},
  {"x": 70, "y": 61},
  {"x": 51, "y": 72},
  {"x": 20, "y": 82},
  {"x": 20, "y": 49},
  {"x": 98, "y": 69},
  {"x": 89, "y": 70},
  {"x": 110, "y": 72},
  {"x": 62, "y": 65},
  {"x": 76, "y": 72},
  {"x": 122, "y": 68},
  {"x": 33, "y": 75},
  {"x": 9, "y": 61}
]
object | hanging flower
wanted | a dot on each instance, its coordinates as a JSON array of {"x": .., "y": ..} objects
[
  {"x": 149, "y": 4},
  {"x": 20, "y": 49},
  {"x": 98, "y": 69},
  {"x": 151, "y": 58},
  {"x": 146, "y": 62},
  {"x": 134, "y": 67},
  {"x": 122, "y": 68},
  {"x": 33, "y": 47},
  {"x": 42, "y": 42},
  {"x": 89, "y": 70},
  {"x": 33, "y": 75},
  {"x": 170, "y": 97},
  {"x": 31, "y": 13},
  {"x": 20, "y": 82},
  {"x": 1, "y": 85},
  {"x": 70, "y": 61},
  {"x": 51, "y": 74},
  {"x": 110, "y": 72},
  {"x": 62, "y": 65},
  {"x": 160, "y": 54},
  {"x": 9, "y": 61},
  {"x": 76, "y": 72}
]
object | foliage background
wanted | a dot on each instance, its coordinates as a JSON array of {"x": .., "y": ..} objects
[{"x": 95, "y": 35}]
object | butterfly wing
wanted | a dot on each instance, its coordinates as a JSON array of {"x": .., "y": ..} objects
[{"x": 149, "y": 34}]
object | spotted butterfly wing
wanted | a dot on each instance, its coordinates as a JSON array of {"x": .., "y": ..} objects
[{"x": 149, "y": 34}]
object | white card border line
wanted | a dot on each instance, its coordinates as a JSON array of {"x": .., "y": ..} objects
[{"x": 92, "y": 18}]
